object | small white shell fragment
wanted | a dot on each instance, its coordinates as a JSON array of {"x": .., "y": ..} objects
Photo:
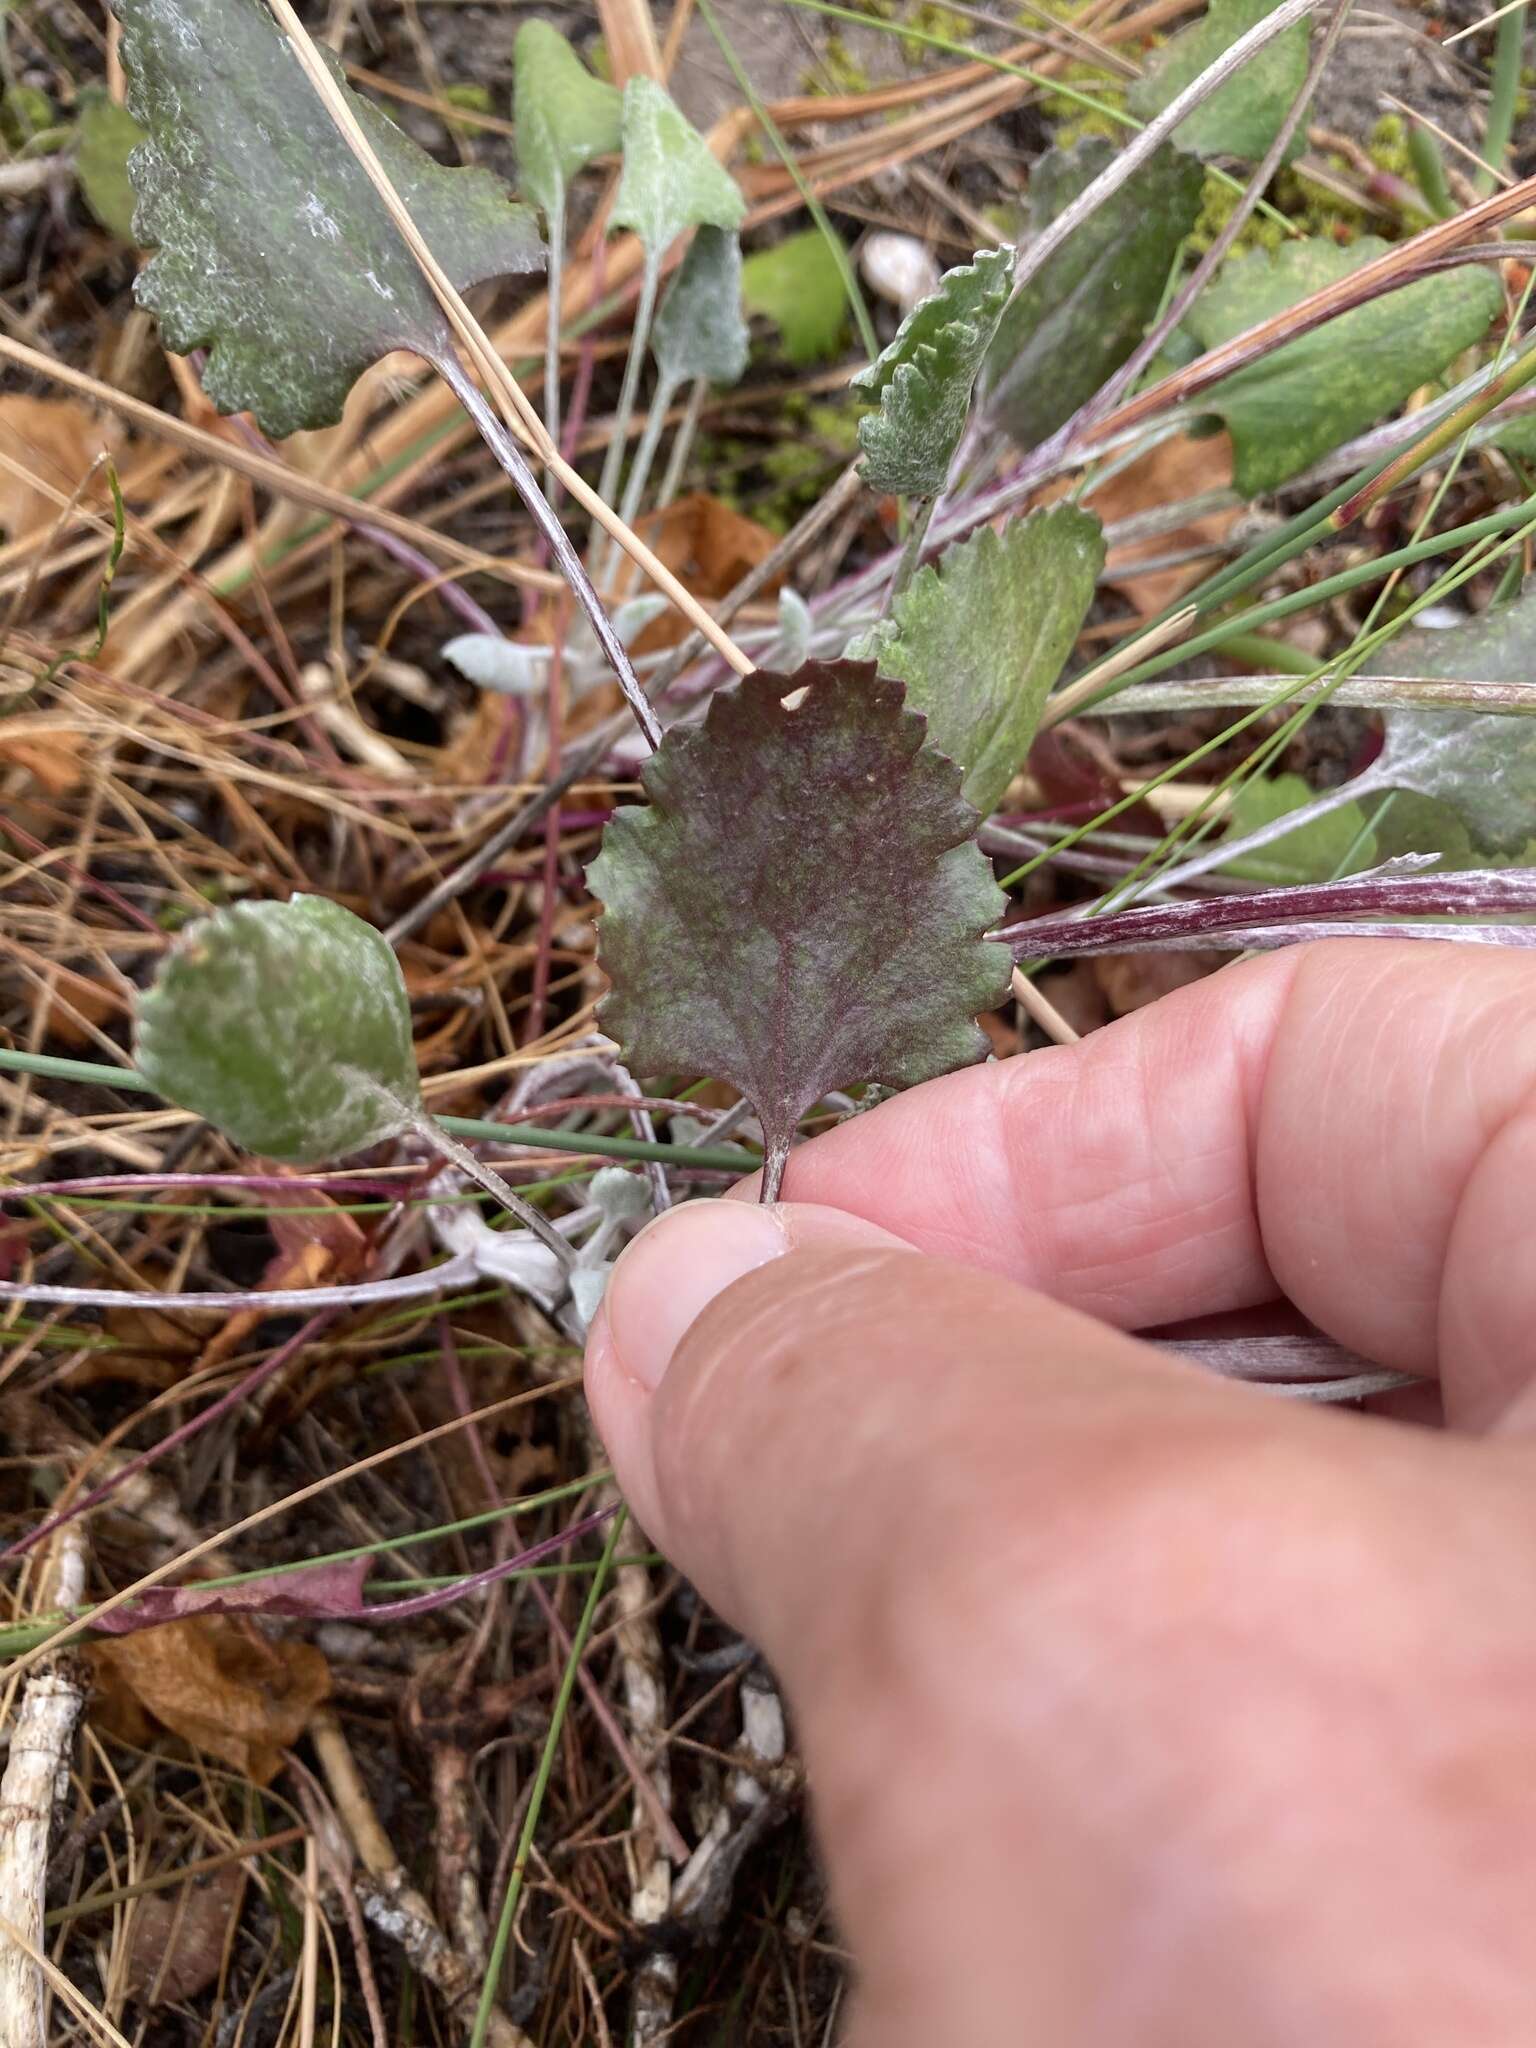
[{"x": 899, "y": 267}]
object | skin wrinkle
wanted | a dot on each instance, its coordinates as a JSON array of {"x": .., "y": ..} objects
[
  {"x": 1466, "y": 1309},
  {"x": 1395, "y": 1252},
  {"x": 1143, "y": 1710}
]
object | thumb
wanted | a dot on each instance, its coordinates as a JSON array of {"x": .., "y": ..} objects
[
  {"x": 788, "y": 1389},
  {"x": 861, "y": 1456},
  {"x": 1135, "y": 1703}
]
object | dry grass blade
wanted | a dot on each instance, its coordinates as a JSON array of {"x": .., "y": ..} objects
[{"x": 511, "y": 400}]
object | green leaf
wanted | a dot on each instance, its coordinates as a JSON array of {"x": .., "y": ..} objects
[
  {"x": 564, "y": 116},
  {"x": 1482, "y": 765},
  {"x": 699, "y": 331},
  {"x": 1078, "y": 320},
  {"x": 105, "y": 133},
  {"x": 980, "y": 637},
  {"x": 275, "y": 252},
  {"x": 1315, "y": 852},
  {"x": 798, "y": 285},
  {"x": 285, "y": 1025},
  {"x": 670, "y": 180},
  {"x": 1290, "y": 408},
  {"x": 924, "y": 377},
  {"x": 802, "y": 905},
  {"x": 1243, "y": 117}
]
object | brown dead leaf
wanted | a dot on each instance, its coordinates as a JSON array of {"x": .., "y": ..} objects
[
  {"x": 709, "y": 548},
  {"x": 1180, "y": 467},
  {"x": 48, "y": 754},
  {"x": 176, "y": 1946},
  {"x": 51, "y": 441},
  {"x": 218, "y": 1682},
  {"x": 1132, "y": 980}
]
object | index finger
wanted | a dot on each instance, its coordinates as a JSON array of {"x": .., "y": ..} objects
[{"x": 1345, "y": 1125}]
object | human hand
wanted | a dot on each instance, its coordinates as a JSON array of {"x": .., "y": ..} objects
[{"x": 1139, "y": 1707}]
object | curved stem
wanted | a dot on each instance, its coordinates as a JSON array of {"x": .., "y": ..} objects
[
  {"x": 564, "y": 556},
  {"x": 645, "y": 454},
  {"x": 556, "y": 262},
  {"x": 433, "y": 1134},
  {"x": 682, "y": 444},
  {"x": 911, "y": 553},
  {"x": 640, "y": 334}
]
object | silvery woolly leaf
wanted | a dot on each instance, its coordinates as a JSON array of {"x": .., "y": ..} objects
[
  {"x": 670, "y": 180},
  {"x": 1242, "y": 117},
  {"x": 1481, "y": 764},
  {"x": 285, "y": 1025},
  {"x": 563, "y": 115},
  {"x": 493, "y": 663},
  {"x": 924, "y": 377},
  {"x": 700, "y": 330},
  {"x": 801, "y": 905},
  {"x": 274, "y": 252},
  {"x": 796, "y": 629},
  {"x": 621, "y": 1195},
  {"x": 980, "y": 637},
  {"x": 636, "y": 613}
]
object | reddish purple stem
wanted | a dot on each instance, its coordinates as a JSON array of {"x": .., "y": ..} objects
[
  {"x": 1313, "y": 906},
  {"x": 240, "y": 1391}
]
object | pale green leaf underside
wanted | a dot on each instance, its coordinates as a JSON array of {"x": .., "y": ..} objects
[
  {"x": 1077, "y": 321},
  {"x": 924, "y": 377},
  {"x": 798, "y": 285},
  {"x": 801, "y": 906},
  {"x": 105, "y": 136},
  {"x": 700, "y": 331},
  {"x": 1483, "y": 766},
  {"x": 285, "y": 1025},
  {"x": 1337, "y": 843},
  {"x": 564, "y": 116},
  {"x": 980, "y": 637},
  {"x": 1290, "y": 408},
  {"x": 274, "y": 251},
  {"x": 670, "y": 180},
  {"x": 1243, "y": 117}
]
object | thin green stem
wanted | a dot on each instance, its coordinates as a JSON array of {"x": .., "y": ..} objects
[
  {"x": 682, "y": 445},
  {"x": 51, "y": 1067},
  {"x": 650, "y": 441},
  {"x": 1058, "y": 87},
  {"x": 556, "y": 539},
  {"x": 613, "y": 455},
  {"x": 911, "y": 553},
  {"x": 541, "y": 1780},
  {"x": 1504, "y": 97},
  {"x": 1332, "y": 586},
  {"x": 554, "y": 270},
  {"x": 431, "y": 1133},
  {"x": 867, "y": 337}
]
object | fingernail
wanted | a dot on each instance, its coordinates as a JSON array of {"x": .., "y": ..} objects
[{"x": 673, "y": 1271}]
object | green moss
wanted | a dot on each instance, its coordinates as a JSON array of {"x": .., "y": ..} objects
[
  {"x": 1074, "y": 120},
  {"x": 1388, "y": 147},
  {"x": 1218, "y": 202},
  {"x": 819, "y": 437},
  {"x": 839, "y": 72},
  {"x": 25, "y": 115},
  {"x": 474, "y": 99}
]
